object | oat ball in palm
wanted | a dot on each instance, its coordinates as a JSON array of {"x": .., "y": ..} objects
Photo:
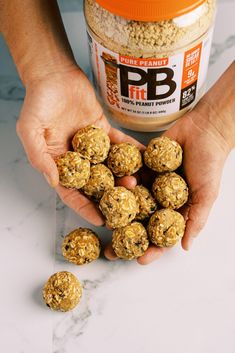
[
  {"x": 170, "y": 190},
  {"x": 74, "y": 170},
  {"x": 147, "y": 204},
  {"x": 81, "y": 246},
  {"x": 166, "y": 227},
  {"x": 101, "y": 179},
  {"x": 124, "y": 159},
  {"x": 163, "y": 154},
  {"x": 62, "y": 291},
  {"x": 130, "y": 242},
  {"x": 119, "y": 207},
  {"x": 92, "y": 143}
]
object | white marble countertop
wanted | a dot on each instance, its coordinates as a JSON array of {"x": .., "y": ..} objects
[{"x": 184, "y": 303}]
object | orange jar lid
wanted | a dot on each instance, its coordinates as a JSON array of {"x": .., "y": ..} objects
[{"x": 149, "y": 10}]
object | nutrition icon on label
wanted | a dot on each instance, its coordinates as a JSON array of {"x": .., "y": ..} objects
[{"x": 192, "y": 60}]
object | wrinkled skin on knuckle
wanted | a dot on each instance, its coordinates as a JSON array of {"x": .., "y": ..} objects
[{"x": 68, "y": 196}]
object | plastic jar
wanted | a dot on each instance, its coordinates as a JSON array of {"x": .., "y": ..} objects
[{"x": 149, "y": 58}]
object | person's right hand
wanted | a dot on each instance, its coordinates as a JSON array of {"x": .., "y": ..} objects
[{"x": 55, "y": 108}]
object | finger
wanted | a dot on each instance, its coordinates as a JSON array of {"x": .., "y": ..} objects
[
  {"x": 184, "y": 210},
  {"x": 128, "y": 182},
  {"x": 175, "y": 132},
  {"x": 153, "y": 253},
  {"x": 171, "y": 133},
  {"x": 81, "y": 205},
  {"x": 109, "y": 253},
  {"x": 197, "y": 216},
  {"x": 36, "y": 149}
]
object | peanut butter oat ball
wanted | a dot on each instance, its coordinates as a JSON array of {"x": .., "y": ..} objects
[
  {"x": 74, "y": 170},
  {"x": 124, "y": 159},
  {"x": 119, "y": 207},
  {"x": 62, "y": 291},
  {"x": 147, "y": 204},
  {"x": 81, "y": 246},
  {"x": 170, "y": 190},
  {"x": 92, "y": 143},
  {"x": 163, "y": 154},
  {"x": 166, "y": 227},
  {"x": 131, "y": 241},
  {"x": 101, "y": 179}
]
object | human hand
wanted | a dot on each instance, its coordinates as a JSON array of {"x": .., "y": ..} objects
[
  {"x": 54, "y": 108},
  {"x": 205, "y": 152},
  {"x": 207, "y": 135}
]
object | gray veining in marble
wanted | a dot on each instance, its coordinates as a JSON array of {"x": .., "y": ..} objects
[
  {"x": 219, "y": 49},
  {"x": 11, "y": 88},
  {"x": 74, "y": 324}
]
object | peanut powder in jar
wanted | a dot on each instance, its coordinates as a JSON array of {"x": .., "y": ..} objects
[{"x": 149, "y": 58}]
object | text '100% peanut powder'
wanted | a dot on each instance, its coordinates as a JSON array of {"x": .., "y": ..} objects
[{"x": 149, "y": 58}]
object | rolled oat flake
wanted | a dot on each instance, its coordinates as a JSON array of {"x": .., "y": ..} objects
[{"x": 149, "y": 58}]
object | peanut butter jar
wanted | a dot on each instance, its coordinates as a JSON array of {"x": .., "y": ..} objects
[{"x": 149, "y": 58}]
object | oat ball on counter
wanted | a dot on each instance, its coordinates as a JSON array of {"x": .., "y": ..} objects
[
  {"x": 92, "y": 143},
  {"x": 119, "y": 207},
  {"x": 166, "y": 227},
  {"x": 81, "y": 246},
  {"x": 124, "y": 159},
  {"x": 62, "y": 291},
  {"x": 170, "y": 190},
  {"x": 147, "y": 204},
  {"x": 101, "y": 179},
  {"x": 131, "y": 241},
  {"x": 74, "y": 170},
  {"x": 163, "y": 154}
]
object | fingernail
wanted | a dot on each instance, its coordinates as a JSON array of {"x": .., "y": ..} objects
[{"x": 53, "y": 183}]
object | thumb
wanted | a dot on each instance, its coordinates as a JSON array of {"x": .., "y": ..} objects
[
  {"x": 196, "y": 215},
  {"x": 36, "y": 150}
]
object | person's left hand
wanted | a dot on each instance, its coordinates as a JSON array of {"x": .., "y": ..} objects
[{"x": 205, "y": 151}]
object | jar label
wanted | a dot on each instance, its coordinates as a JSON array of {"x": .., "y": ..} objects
[{"x": 150, "y": 86}]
